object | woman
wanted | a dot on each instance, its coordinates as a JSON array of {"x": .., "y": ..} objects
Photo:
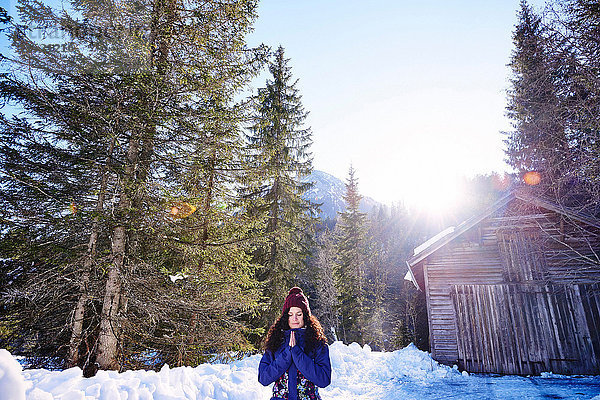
[{"x": 296, "y": 355}]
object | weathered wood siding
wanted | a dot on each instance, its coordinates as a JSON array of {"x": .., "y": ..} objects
[
  {"x": 516, "y": 294},
  {"x": 528, "y": 329},
  {"x": 464, "y": 262}
]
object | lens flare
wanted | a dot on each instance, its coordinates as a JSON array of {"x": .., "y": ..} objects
[
  {"x": 532, "y": 178},
  {"x": 181, "y": 209}
]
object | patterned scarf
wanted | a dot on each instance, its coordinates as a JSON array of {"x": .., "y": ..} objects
[{"x": 306, "y": 389}]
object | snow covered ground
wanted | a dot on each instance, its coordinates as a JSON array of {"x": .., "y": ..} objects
[{"x": 358, "y": 373}]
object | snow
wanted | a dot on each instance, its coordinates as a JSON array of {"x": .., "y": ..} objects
[
  {"x": 175, "y": 278},
  {"x": 410, "y": 277},
  {"x": 434, "y": 239},
  {"x": 12, "y": 384},
  {"x": 358, "y": 373}
]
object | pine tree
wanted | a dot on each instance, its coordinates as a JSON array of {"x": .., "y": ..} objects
[
  {"x": 553, "y": 102},
  {"x": 54, "y": 164},
  {"x": 538, "y": 143},
  {"x": 351, "y": 247},
  {"x": 100, "y": 115},
  {"x": 577, "y": 47},
  {"x": 280, "y": 158}
]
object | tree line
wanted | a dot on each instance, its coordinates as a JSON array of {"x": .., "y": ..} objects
[
  {"x": 152, "y": 211},
  {"x": 136, "y": 215}
]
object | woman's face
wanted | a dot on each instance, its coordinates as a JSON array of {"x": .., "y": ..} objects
[{"x": 295, "y": 318}]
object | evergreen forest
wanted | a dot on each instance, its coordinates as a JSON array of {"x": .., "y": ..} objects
[{"x": 154, "y": 206}]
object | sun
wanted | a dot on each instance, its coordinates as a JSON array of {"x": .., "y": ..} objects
[{"x": 433, "y": 191}]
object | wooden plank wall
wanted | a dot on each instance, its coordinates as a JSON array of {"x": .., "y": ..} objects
[
  {"x": 590, "y": 295},
  {"x": 522, "y": 258},
  {"x": 538, "y": 249},
  {"x": 528, "y": 329},
  {"x": 464, "y": 262}
]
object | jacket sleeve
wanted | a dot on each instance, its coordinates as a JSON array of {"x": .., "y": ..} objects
[
  {"x": 318, "y": 371},
  {"x": 271, "y": 367}
]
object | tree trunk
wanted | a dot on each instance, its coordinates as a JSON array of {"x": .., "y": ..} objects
[
  {"x": 109, "y": 324},
  {"x": 108, "y": 337},
  {"x": 79, "y": 313}
]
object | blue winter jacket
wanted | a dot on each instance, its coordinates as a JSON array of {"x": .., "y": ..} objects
[{"x": 314, "y": 366}]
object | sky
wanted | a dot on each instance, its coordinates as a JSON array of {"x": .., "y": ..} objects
[{"x": 411, "y": 93}]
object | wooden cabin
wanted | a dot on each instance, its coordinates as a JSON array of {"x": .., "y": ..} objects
[{"x": 515, "y": 290}]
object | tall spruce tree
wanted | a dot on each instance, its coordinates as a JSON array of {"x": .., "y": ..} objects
[
  {"x": 577, "y": 45},
  {"x": 351, "y": 262},
  {"x": 99, "y": 115},
  {"x": 538, "y": 142},
  {"x": 279, "y": 155},
  {"x": 553, "y": 102}
]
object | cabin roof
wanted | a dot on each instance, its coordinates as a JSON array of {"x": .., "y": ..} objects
[{"x": 448, "y": 235}]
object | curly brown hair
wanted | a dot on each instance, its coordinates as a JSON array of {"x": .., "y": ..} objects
[{"x": 274, "y": 338}]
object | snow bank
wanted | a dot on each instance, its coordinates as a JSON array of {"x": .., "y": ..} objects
[
  {"x": 358, "y": 373},
  {"x": 12, "y": 384},
  {"x": 235, "y": 381},
  {"x": 352, "y": 366}
]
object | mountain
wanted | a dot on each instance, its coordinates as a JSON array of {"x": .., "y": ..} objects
[{"x": 330, "y": 191}]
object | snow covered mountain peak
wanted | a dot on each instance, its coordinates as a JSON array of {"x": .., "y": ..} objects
[{"x": 329, "y": 191}]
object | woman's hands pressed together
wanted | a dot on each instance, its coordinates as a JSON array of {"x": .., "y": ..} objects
[{"x": 292, "y": 339}]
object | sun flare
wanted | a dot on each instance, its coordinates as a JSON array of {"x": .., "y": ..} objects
[{"x": 434, "y": 192}]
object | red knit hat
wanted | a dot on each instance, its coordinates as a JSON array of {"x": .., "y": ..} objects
[{"x": 296, "y": 298}]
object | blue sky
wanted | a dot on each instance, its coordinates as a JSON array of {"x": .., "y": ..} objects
[{"x": 412, "y": 93}]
